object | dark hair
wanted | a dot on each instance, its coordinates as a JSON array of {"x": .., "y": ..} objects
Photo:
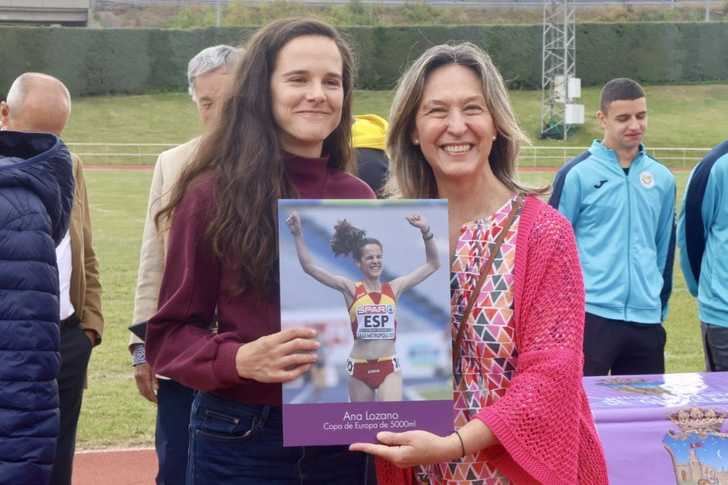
[
  {"x": 618, "y": 89},
  {"x": 244, "y": 153},
  {"x": 349, "y": 239}
]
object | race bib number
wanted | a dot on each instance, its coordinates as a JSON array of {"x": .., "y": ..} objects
[{"x": 375, "y": 322}]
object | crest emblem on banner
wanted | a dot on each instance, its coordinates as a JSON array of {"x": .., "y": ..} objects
[{"x": 699, "y": 449}]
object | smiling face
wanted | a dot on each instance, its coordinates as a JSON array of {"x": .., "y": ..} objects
[
  {"x": 307, "y": 93},
  {"x": 624, "y": 123},
  {"x": 371, "y": 261},
  {"x": 453, "y": 126}
]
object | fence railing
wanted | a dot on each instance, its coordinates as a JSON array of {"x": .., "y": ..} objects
[
  {"x": 119, "y": 153},
  {"x": 116, "y": 154},
  {"x": 548, "y": 156}
]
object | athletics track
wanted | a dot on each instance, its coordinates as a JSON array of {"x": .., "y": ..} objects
[{"x": 128, "y": 466}]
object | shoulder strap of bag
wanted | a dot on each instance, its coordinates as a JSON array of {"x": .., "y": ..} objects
[{"x": 485, "y": 271}]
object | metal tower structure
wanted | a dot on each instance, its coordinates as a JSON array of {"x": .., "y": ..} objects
[{"x": 558, "y": 66}]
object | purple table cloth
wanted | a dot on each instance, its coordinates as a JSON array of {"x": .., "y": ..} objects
[{"x": 663, "y": 429}]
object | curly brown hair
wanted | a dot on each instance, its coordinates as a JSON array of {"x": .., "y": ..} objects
[{"x": 350, "y": 239}]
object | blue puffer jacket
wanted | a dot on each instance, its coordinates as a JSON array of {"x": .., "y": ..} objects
[{"x": 36, "y": 193}]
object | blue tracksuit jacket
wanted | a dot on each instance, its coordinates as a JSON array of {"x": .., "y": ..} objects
[
  {"x": 703, "y": 236},
  {"x": 625, "y": 230}
]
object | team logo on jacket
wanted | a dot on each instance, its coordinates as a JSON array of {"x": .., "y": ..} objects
[{"x": 647, "y": 179}]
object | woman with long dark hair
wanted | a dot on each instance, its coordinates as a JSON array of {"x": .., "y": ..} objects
[
  {"x": 284, "y": 131},
  {"x": 517, "y": 295},
  {"x": 372, "y": 364}
]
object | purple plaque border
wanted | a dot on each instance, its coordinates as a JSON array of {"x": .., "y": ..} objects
[{"x": 347, "y": 423}]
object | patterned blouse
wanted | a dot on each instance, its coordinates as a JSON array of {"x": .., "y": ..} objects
[{"x": 488, "y": 353}]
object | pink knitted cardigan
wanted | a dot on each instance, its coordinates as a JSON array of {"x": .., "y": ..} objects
[{"x": 543, "y": 422}]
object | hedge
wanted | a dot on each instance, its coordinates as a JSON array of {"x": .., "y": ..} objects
[{"x": 141, "y": 60}]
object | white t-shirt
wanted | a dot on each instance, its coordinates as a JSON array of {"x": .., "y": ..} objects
[{"x": 63, "y": 256}]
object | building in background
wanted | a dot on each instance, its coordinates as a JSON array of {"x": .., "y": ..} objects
[{"x": 44, "y": 12}]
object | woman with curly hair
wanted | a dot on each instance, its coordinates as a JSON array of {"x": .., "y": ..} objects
[{"x": 372, "y": 304}]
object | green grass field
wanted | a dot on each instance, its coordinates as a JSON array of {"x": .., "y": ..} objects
[
  {"x": 113, "y": 413},
  {"x": 680, "y": 116}
]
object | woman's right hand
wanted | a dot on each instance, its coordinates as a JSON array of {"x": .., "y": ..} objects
[
  {"x": 279, "y": 357},
  {"x": 418, "y": 221},
  {"x": 294, "y": 223}
]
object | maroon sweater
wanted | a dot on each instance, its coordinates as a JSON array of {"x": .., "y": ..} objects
[{"x": 179, "y": 344}]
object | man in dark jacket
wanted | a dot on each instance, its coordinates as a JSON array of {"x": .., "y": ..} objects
[
  {"x": 41, "y": 103},
  {"x": 36, "y": 194}
]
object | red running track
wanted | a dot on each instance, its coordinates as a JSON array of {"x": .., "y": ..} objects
[{"x": 134, "y": 466}]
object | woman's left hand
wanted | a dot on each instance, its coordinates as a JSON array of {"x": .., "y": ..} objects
[
  {"x": 419, "y": 222},
  {"x": 412, "y": 448}
]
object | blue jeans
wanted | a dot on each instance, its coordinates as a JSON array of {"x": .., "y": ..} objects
[
  {"x": 174, "y": 402},
  {"x": 242, "y": 444}
]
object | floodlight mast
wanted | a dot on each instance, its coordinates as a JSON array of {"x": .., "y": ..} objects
[{"x": 558, "y": 66}]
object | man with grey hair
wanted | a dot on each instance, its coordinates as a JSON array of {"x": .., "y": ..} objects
[
  {"x": 39, "y": 103},
  {"x": 208, "y": 75}
]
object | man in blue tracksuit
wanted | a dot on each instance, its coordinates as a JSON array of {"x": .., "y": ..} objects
[
  {"x": 621, "y": 202},
  {"x": 703, "y": 241}
]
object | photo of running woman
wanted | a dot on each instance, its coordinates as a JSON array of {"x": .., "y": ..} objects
[{"x": 372, "y": 366}]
